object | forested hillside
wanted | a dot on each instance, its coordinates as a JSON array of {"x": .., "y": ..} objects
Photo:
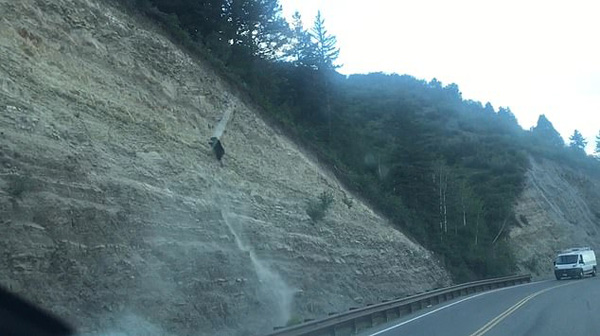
[{"x": 447, "y": 171}]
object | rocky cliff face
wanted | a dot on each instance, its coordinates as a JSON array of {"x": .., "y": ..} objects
[
  {"x": 560, "y": 208},
  {"x": 115, "y": 215}
]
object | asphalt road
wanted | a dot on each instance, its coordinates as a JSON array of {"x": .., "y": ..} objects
[{"x": 546, "y": 308}]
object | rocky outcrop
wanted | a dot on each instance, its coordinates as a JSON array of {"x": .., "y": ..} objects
[
  {"x": 559, "y": 208},
  {"x": 115, "y": 214}
]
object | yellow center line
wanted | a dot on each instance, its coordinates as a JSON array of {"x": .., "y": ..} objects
[{"x": 492, "y": 323}]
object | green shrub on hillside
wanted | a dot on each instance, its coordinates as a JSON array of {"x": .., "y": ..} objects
[{"x": 317, "y": 208}]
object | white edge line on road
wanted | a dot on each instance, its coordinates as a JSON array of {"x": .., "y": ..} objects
[{"x": 452, "y": 304}]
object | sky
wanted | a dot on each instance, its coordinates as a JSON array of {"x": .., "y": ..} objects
[{"x": 536, "y": 57}]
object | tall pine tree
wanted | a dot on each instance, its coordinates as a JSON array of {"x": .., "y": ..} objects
[
  {"x": 302, "y": 51},
  {"x": 597, "y": 151},
  {"x": 326, "y": 50},
  {"x": 578, "y": 142},
  {"x": 508, "y": 119},
  {"x": 545, "y": 133}
]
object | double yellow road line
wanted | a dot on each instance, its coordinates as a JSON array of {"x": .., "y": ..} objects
[{"x": 488, "y": 326}]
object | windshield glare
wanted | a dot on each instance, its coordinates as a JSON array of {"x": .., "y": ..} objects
[{"x": 566, "y": 259}]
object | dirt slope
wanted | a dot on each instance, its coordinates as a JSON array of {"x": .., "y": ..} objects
[
  {"x": 115, "y": 214},
  {"x": 559, "y": 208}
]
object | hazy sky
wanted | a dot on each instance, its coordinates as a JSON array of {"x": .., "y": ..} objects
[{"x": 536, "y": 57}]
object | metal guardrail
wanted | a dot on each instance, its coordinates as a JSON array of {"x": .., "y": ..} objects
[{"x": 357, "y": 319}]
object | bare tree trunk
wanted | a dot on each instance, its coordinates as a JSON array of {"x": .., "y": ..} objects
[
  {"x": 445, "y": 204},
  {"x": 500, "y": 232},
  {"x": 328, "y": 118},
  {"x": 328, "y": 105},
  {"x": 477, "y": 227},
  {"x": 464, "y": 209},
  {"x": 461, "y": 188},
  {"x": 441, "y": 204}
]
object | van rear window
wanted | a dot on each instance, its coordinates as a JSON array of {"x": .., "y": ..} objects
[{"x": 566, "y": 259}]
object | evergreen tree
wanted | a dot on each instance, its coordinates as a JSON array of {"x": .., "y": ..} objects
[
  {"x": 578, "y": 142},
  {"x": 200, "y": 19},
  {"x": 545, "y": 133},
  {"x": 434, "y": 83},
  {"x": 255, "y": 27},
  {"x": 489, "y": 108},
  {"x": 508, "y": 119},
  {"x": 302, "y": 50},
  {"x": 235, "y": 31},
  {"x": 597, "y": 151},
  {"x": 452, "y": 91},
  {"x": 326, "y": 50}
]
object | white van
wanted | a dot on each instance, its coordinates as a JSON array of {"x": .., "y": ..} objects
[{"x": 575, "y": 262}]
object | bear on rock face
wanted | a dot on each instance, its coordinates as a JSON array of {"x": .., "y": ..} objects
[{"x": 217, "y": 147}]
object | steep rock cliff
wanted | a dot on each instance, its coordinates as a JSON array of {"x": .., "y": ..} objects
[
  {"x": 559, "y": 208},
  {"x": 115, "y": 215}
]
